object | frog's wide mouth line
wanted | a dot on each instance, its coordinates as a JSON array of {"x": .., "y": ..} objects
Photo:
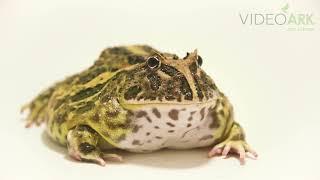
[{"x": 166, "y": 103}]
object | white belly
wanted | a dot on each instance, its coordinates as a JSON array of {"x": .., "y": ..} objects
[{"x": 170, "y": 126}]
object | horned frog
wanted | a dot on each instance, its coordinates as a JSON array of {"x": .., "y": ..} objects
[{"x": 138, "y": 99}]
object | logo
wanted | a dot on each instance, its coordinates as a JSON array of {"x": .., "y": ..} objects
[{"x": 284, "y": 17}]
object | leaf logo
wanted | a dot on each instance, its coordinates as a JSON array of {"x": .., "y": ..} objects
[{"x": 285, "y": 8}]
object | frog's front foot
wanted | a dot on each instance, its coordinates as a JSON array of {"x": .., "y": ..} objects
[
  {"x": 239, "y": 147},
  {"x": 95, "y": 156},
  {"x": 82, "y": 146},
  {"x": 235, "y": 143}
]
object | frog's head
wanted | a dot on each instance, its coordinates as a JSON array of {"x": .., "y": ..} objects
[{"x": 164, "y": 78}]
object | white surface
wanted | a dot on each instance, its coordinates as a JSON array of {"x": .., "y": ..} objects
[{"x": 271, "y": 76}]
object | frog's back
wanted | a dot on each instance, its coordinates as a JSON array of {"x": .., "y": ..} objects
[{"x": 59, "y": 103}]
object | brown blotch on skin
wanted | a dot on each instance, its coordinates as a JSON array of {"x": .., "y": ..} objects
[
  {"x": 214, "y": 124},
  {"x": 132, "y": 92},
  {"x": 149, "y": 141},
  {"x": 238, "y": 137},
  {"x": 206, "y": 137},
  {"x": 202, "y": 113},
  {"x": 136, "y": 142},
  {"x": 190, "y": 118},
  {"x": 148, "y": 133},
  {"x": 148, "y": 119},
  {"x": 156, "y": 112},
  {"x": 96, "y": 117},
  {"x": 170, "y": 131},
  {"x": 222, "y": 112},
  {"x": 170, "y": 124},
  {"x": 136, "y": 128},
  {"x": 121, "y": 138},
  {"x": 141, "y": 114},
  {"x": 61, "y": 118},
  {"x": 189, "y": 125},
  {"x": 215, "y": 119},
  {"x": 173, "y": 114},
  {"x": 112, "y": 113},
  {"x": 158, "y": 137},
  {"x": 156, "y": 127}
]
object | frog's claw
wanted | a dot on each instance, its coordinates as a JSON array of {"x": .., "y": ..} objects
[{"x": 112, "y": 157}]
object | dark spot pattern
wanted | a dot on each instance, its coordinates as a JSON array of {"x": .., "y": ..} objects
[
  {"x": 185, "y": 88},
  {"x": 61, "y": 117},
  {"x": 158, "y": 137},
  {"x": 121, "y": 137},
  {"x": 206, "y": 137},
  {"x": 215, "y": 119},
  {"x": 119, "y": 51},
  {"x": 193, "y": 68},
  {"x": 132, "y": 92},
  {"x": 136, "y": 142},
  {"x": 170, "y": 124},
  {"x": 135, "y": 59},
  {"x": 96, "y": 117},
  {"x": 173, "y": 114},
  {"x": 154, "y": 80},
  {"x": 85, "y": 128},
  {"x": 156, "y": 112},
  {"x": 85, "y": 93},
  {"x": 169, "y": 70},
  {"x": 86, "y": 148},
  {"x": 136, "y": 128},
  {"x": 141, "y": 114},
  {"x": 86, "y": 107},
  {"x": 202, "y": 113},
  {"x": 88, "y": 76},
  {"x": 113, "y": 113},
  {"x": 198, "y": 88}
]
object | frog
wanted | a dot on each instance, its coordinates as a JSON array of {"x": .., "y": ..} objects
[{"x": 138, "y": 99}]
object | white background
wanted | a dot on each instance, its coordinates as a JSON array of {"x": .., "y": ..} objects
[{"x": 270, "y": 74}]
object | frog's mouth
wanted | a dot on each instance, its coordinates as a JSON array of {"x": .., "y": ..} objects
[{"x": 134, "y": 104}]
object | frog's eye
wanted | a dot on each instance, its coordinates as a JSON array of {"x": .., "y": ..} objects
[
  {"x": 153, "y": 62},
  {"x": 199, "y": 61}
]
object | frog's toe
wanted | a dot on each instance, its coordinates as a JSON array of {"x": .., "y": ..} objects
[
  {"x": 240, "y": 148},
  {"x": 112, "y": 157}
]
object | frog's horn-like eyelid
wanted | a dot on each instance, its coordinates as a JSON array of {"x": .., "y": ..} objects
[
  {"x": 193, "y": 55},
  {"x": 158, "y": 54}
]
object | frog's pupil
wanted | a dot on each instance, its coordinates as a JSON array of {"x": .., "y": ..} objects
[
  {"x": 199, "y": 60},
  {"x": 153, "y": 62}
]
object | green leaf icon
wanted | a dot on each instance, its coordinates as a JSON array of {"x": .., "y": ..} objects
[{"x": 285, "y": 8}]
